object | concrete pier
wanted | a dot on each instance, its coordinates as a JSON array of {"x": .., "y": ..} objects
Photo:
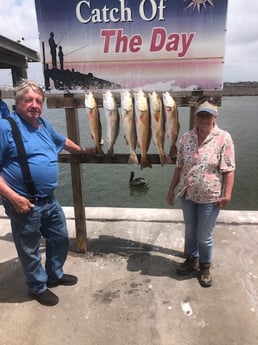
[{"x": 128, "y": 292}]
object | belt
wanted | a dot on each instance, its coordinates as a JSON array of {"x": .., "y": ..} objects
[{"x": 46, "y": 199}]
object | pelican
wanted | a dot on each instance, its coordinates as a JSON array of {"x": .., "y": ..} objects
[{"x": 138, "y": 181}]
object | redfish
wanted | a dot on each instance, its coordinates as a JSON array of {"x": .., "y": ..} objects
[
  {"x": 112, "y": 120},
  {"x": 172, "y": 124},
  {"x": 128, "y": 124},
  {"x": 143, "y": 129},
  {"x": 158, "y": 125},
  {"x": 92, "y": 111}
]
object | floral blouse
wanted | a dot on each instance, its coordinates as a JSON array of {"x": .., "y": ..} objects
[{"x": 201, "y": 178}]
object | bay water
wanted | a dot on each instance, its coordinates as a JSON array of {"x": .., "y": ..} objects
[{"x": 107, "y": 185}]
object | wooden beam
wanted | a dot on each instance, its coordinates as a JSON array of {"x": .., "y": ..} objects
[
  {"x": 191, "y": 117},
  {"x": 89, "y": 158},
  {"x": 182, "y": 99}
]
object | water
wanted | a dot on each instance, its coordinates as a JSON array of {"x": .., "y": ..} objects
[{"x": 106, "y": 185}]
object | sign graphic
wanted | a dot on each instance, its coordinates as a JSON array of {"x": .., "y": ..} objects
[{"x": 159, "y": 45}]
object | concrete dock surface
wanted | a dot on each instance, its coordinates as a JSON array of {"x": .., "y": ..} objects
[{"x": 128, "y": 291}]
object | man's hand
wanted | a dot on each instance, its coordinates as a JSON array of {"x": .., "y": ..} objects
[
  {"x": 21, "y": 204},
  {"x": 88, "y": 150}
]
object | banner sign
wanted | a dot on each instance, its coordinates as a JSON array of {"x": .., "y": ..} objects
[{"x": 159, "y": 45}]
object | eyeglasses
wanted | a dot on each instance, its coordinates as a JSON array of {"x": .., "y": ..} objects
[{"x": 203, "y": 99}]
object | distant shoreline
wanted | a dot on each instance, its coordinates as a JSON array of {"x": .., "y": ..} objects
[
  {"x": 240, "y": 89},
  {"x": 229, "y": 89}
]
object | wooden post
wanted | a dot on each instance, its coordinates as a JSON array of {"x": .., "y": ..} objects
[
  {"x": 77, "y": 183},
  {"x": 191, "y": 125},
  {"x": 191, "y": 117}
]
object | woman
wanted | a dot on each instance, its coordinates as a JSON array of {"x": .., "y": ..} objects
[{"x": 204, "y": 175}]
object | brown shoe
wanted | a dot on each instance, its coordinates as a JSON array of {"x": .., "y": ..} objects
[
  {"x": 205, "y": 277},
  {"x": 188, "y": 266}
]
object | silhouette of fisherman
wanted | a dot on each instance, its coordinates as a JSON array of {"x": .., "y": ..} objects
[
  {"x": 53, "y": 46},
  {"x": 61, "y": 57}
]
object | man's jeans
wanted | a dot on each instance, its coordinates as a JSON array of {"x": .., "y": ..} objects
[
  {"x": 45, "y": 219},
  {"x": 200, "y": 220}
]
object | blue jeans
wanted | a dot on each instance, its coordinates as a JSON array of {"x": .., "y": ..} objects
[
  {"x": 46, "y": 220},
  {"x": 200, "y": 220}
]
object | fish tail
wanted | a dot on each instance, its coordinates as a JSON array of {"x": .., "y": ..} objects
[
  {"x": 99, "y": 150},
  {"x": 145, "y": 163},
  {"x": 133, "y": 158},
  {"x": 110, "y": 151},
  {"x": 163, "y": 159}
]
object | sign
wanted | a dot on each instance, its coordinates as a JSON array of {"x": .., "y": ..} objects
[{"x": 159, "y": 45}]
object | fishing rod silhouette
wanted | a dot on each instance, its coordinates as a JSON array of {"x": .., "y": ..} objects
[{"x": 75, "y": 50}]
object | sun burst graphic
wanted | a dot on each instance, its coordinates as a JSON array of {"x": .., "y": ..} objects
[{"x": 198, "y": 4}]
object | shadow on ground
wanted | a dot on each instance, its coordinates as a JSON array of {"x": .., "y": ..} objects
[
  {"x": 149, "y": 260},
  {"x": 12, "y": 282},
  {"x": 141, "y": 257}
]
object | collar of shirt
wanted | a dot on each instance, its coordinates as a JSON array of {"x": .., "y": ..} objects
[{"x": 214, "y": 132}]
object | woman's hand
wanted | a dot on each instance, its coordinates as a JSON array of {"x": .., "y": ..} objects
[
  {"x": 222, "y": 202},
  {"x": 228, "y": 186},
  {"x": 170, "y": 198}
]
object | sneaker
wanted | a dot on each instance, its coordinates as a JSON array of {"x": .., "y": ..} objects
[
  {"x": 205, "y": 278},
  {"x": 46, "y": 297},
  {"x": 67, "y": 279},
  {"x": 188, "y": 266}
]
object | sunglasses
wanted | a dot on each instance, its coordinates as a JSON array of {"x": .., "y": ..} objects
[{"x": 203, "y": 99}]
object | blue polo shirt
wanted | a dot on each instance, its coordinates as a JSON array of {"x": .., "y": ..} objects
[
  {"x": 4, "y": 110},
  {"x": 42, "y": 146}
]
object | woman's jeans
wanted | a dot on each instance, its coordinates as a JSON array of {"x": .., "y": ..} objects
[
  {"x": 200, "y": 220},
  {"x": 45, "y": 219}
]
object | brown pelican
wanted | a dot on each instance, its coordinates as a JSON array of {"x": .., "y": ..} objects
[{"x": 137, "y": 181}]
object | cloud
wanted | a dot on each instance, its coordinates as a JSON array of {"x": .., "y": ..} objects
[
  {"x": 18, "y": 19},
  {"x": 241, "y": 41}
]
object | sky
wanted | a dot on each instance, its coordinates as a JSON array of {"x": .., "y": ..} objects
[{"x": 18, "y": 22}]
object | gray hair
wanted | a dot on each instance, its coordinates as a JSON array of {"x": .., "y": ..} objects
[{"x": 23, "y": 88}]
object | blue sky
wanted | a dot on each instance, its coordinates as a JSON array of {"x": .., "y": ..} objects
[{"x": 18, "y": 20}]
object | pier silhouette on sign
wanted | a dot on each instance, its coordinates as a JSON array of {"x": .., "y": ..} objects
[{"x": 65, "y": 79}]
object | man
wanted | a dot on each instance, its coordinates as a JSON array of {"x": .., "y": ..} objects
[
  {"x": 4, "y": 110},
  {"x": 33, "y": 216},
  {"x": 53, "y": 46}
]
